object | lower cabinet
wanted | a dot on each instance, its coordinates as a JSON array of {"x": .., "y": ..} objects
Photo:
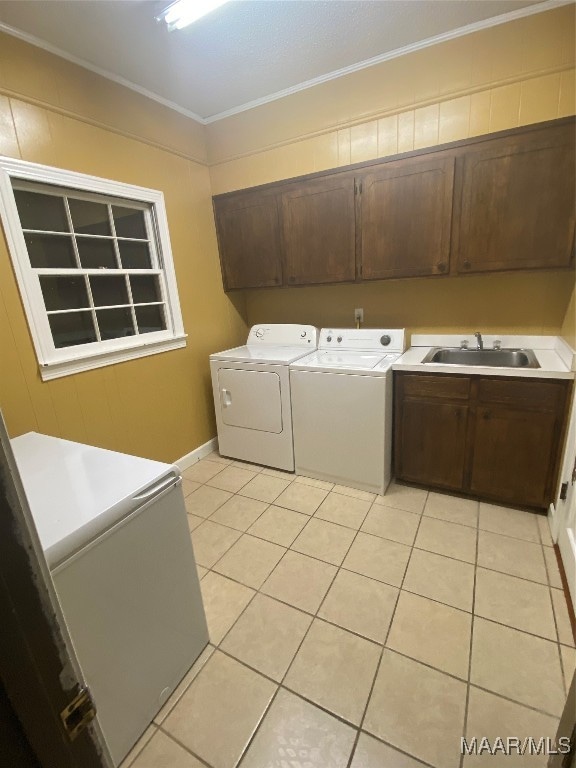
[{"x": 496, "y": 438}]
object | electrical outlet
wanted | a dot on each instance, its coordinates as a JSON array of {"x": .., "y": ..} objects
[{"x": 359, "y": 315}]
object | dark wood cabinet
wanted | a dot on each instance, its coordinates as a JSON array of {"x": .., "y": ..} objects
[
  {"x": 433, "y": 454},
  {"x": 405, "y": 218},
  {"x": 516, "y": 440},
  {"x": 248, "y": 227},
  {"x": 486, "y": 204},
  {"x": 516, "y": 208},
  {"x": 319, "y": 231},
  {"x": 431, "y": 429},
  {"x": 495, "y": 438}
]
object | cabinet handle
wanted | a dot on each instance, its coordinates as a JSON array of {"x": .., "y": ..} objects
[
  {"x": 442, "y": 266},
  {"x": 467, "y": 265}
]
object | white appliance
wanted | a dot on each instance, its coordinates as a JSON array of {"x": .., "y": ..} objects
[
  {"x": 251, "y": 386},
  {"x": 342, "y": 407},
  {"x": 115, "y": 534}
]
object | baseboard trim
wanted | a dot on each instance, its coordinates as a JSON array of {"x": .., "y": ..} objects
[
  {"x": 566, "y": 590},
  {"x": 198, "y": 453}
]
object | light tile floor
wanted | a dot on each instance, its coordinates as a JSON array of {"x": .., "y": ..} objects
[{"x": 357, "y": 631}]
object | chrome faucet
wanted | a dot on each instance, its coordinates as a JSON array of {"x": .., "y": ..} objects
[{"x": 479, "y": 342}]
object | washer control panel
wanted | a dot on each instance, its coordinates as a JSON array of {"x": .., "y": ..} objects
[
  {"x": 283, "y": 335},
  {"x": 366, "y": 339}
]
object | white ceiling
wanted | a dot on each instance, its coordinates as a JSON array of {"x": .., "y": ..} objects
[{"x": 248, "y": 51}]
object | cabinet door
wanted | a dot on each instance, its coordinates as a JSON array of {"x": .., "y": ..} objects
[
  {"x": 431, "y": 443},
  {"x": 431, "y": 426},
  {"x": 318, "y": 228},
  {"x": 517, "y": 203},
  {"x": 518, "y": 439},
  {"x": 513, "y": 453},
  {"x": 248, "y": 228},
  {"x": 405, "y": 215}
]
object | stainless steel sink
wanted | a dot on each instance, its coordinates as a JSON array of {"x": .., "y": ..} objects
[{"x": 494, "y": 358}]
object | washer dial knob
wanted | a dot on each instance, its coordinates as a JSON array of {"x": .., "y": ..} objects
[
  {"x": 339, "y": 339},
  {"x": 385, "y": 340},
  {"x": 259, "y": 333}
]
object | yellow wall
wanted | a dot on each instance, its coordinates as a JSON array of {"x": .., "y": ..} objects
[
  {"x": 568, "y": 331},
  {"x": 507, "y": 303},
  {"x": 511, "y": 75},
  {"x": 159, "y": 406},
  {"x": 56, "y": 113}
]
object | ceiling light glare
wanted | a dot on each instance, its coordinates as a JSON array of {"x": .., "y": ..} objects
[{"x": 184, "y": 12}]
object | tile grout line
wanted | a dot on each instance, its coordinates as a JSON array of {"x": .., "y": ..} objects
[
  {"x": 245, "y": 533},
  {"x": 184, "y": 747},
  {"x": 380, "y": 581},
  {"x": 281, "y": 685},
  {"x": 359, "y": 530},
  {"x": 314, "y": 616},
  {"x": 259, "y": 724},
  {"x": 379, "y": 663},
  {"x": 471, "y": 645},
  {"x": 137, "y": 754},
  {"x": 556, "y": 622},
  {"x": 259, "y": 592},
  {"x": 367, "y": 533},
  {"x": 393, "y": 541},
  {"x": 340, "y": 567},
  {"x": 297, "y": 478},
  {"x": 169, "y": 712}
]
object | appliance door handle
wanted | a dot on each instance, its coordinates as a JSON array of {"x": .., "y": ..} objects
[
  {"x": 226, "y": 398},
  {"x": 158, "y": 488}
]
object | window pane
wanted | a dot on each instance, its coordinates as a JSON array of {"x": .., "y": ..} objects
[
  {"x": 145, "y": 288},
  {"x": 72, "y": 328},
  {"x": 134, "y": 255},
  {"x": 39, "y": 211},
  {"x": 129, "y": 222},
  {"x": 108, "y": 290},
  {"x": 114, "y": 323},
  {"x": 150, "y": 319},
  {"x": 96, "y": 253},
  {"x": 63, "y": 292},
  {"x": 89, "y": 218},
  {"x": 50, "y": 251}
]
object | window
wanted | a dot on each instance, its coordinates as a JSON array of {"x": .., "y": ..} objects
[{"x": 93, "y": 262}]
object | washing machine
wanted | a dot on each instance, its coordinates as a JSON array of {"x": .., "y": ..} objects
[
  {"x": 251, "y": 387},
  {"x": 342, "y": 407}
]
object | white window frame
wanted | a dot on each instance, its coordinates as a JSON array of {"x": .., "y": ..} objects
[{"x": 55, "y": 362}]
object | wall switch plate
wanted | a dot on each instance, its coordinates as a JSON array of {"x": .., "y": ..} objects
[{"x": 359, "y": 315}]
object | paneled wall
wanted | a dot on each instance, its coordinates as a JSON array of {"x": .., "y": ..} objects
[
  {"x": 56, "y": 113},
  {"x": 159, "y": 406},
  {"x": 515, "y": 74}
]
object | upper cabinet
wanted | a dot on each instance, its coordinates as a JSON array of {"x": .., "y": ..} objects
[
  {"x": 248, "y": 227},
  {"x": 517, "y": 204},
  {"x": 405, "y": 217},
  {"x": 487, "y": 204},
  {"x": 318, "y": 228}
]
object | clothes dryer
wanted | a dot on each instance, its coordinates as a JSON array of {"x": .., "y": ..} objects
[{"x": 251, "y": 387}]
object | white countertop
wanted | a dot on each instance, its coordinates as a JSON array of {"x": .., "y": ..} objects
[{"x": 556, "y": 358}]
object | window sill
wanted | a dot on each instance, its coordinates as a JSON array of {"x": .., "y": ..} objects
[{"x": 50, "y": 371}]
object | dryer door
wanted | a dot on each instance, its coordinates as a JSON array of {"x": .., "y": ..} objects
[{"x": 250, "y": 399}]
